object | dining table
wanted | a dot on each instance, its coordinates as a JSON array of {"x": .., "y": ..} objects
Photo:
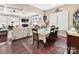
[{"x": 43, "y": 33}]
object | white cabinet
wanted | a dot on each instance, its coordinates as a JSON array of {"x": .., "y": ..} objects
[
  {"x": 25, "y": 32},
  {"x": 14, "y": 19},
  {"x": 9, "y": 14},
  {"x": 17, "y": 32},
  {"x": 12, "y": 10},
  {"x": 3, "y": 20},
  {"x": 1, "y": 9},
  {"x": 38, "y": 19}
]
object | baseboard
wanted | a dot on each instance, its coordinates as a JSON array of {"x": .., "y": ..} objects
[{"x": 62, "y": 35}]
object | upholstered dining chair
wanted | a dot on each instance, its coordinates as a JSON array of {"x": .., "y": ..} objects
[
  {"x": 51, "y": 37},
  {"x": 35, "y": 36},
  {"x": 52, "y": 34},
  {"x": 56, "y": 33},
  {"x": 53, "y": 26}
]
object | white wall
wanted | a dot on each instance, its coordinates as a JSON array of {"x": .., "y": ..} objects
[
  {"x": 71, "y": 8},
  {"x": 59, "y": 19},
  {"x": 52, "y": 19}
]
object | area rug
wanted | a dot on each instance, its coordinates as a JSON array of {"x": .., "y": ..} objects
[{"x": 59, "y": 47}]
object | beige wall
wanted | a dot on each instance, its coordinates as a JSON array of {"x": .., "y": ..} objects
[{"x": 71, "y": 8}]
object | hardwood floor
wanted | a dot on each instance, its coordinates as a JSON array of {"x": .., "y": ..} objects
[
  {"x": 15, "y": 48},
  {"x": 25, "y": 46}
]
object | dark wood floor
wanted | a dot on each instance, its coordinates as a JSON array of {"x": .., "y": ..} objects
[{"x": 24, "y": 46}]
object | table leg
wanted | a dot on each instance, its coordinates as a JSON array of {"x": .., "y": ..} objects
[{"x": 37, "y": 44}]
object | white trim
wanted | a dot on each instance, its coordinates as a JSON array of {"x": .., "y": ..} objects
[{"x": 62, "y": 35}]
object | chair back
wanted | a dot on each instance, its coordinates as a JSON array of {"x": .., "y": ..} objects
[
  {"x": 52, "y": 26},
  {"x": 51, "y": 36},
  {"x": 35, "y": 34},
  {"x": 56, "y": 33},
  {"x": 56, "y": 30}
]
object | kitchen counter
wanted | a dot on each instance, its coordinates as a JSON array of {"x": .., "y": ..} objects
[{"x": 73, "y": 33}]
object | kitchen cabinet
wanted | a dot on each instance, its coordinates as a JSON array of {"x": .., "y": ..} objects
[
  {"x": 14, "y": 19},
  {"x": 72, "y": 41},
  {"x": 3, "y": 36}
]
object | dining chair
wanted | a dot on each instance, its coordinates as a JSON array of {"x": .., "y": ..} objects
[
  {"x": 56, "y": 33},
  {"x": 35, "y": 36},
  {"x": 51, "y": 37},
  {"x": 53, "y": 26},
  {"x": 52, "y": 34}
]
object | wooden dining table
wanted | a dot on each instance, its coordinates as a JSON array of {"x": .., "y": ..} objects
[{"x": 43, "y": 33}]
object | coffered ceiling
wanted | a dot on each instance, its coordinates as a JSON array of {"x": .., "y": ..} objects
[{"x": 45, "y": 6}]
